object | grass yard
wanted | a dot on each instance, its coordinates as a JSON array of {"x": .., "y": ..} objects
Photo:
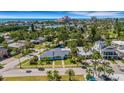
[
  {"x": 67, "y": 62},
  {"x": 58, "y": 62},
  {"x": 39, "y": 46},
  {"x": 122, "y": 61},
  {"x": 18, "y": 55},
  {"x": 113, "y": 62},
  {"x": 40, "y": 78},
  {"x": 26, "y": 64}
]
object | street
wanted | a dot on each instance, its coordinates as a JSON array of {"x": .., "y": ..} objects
[{"x": 36, "y": 72}]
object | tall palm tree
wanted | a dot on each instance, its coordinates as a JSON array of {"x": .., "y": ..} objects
[
  {"x": 53, "y": 75},
  {"x": 57, "y": 77},
  {"x": 95, "y": 56},
  {"x": 71, "y": 74},
  {"x": 1, "y": 77},
  {"x": 105, "y": 66},
  {"x": 100, "y": 69},
  {"x": 50, "y": 75},
  {"x": 89, "y": 71},
  {"x": 110, "y": 71}
]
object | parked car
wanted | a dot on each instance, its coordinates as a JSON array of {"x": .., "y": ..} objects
[
  {"x": 106, "y": 78},
  {"x": 28, "y": 71},
  {"x": 31, "y": 55},
  {"x": 41, "y": 69}
]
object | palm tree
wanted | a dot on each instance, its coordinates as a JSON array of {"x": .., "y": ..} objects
[
  {"x": 74, "y": 51},
  {"x": 57, "y": 77},
  {"x": 84, "y": 58},
  {"x": 89, "y": 71},
  {"x": 1, "y": 77},
  {"x": 95, "y": 57},
  {"x": 50, "y": 75},
  {"x": 105, "y": 65},
  {"x": 110, "y": 71},
  {"x": 53, "y": 75},
  {"x": 71, "y": 74},
  {"x": 100, "y": 69}
]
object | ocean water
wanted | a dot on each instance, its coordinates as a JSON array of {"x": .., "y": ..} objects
[{"x": 24, "y": 20}]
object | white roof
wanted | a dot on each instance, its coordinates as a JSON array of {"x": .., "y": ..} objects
[
  {"x": 122, "y": 51},
  {"x": 16, "y": 45},
  {"x": 118, "y": 42},
  {"x": 66, "y": 49},
  {"x": 82, "y": 52}
]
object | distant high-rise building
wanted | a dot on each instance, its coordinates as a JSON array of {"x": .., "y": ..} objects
[
  {"x": 65, "y": 19},
  {"x": 93, "y": 19}
]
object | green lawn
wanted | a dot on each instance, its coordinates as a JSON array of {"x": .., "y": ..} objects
[
  {"x": 68, "y": 62},
  {"x": 18, "y": 55},
  {"x": 122, "y": 61},
  {"x": 113, "y": 62},
  {"x": 2, "y": 66},
  {"x": 58, "y": 62},
  {"x": 39, "y": 46},
  {"x": 40, "y": 78},
  {"x": 26, "y": 64}
]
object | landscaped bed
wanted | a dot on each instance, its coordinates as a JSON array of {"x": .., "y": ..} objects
[
  {"x": 58, "y": 62},
  {"x": 68, "y": 61},
  {"x": 42, "y": 78}
]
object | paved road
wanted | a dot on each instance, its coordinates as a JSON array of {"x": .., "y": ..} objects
[
  {"x": 36, "y": 72},
  {"x": 12, "y": 64}
]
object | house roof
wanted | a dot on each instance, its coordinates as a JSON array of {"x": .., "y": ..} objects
[
  {"x": 56, "y": 52},
  {"x": 82, "y": 52},
  {"x": 118, "y": 42},
  {"x": 16, "y": 45},
  {"x": 109, "y": 48}
]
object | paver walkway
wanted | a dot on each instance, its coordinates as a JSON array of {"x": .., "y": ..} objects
[
  {"x": 63, "y": 64},
  {"x": 53, "y": 65}
]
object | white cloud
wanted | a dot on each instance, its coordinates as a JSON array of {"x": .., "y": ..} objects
[
  {"x": 108, "y": 14},
  {"x": 79, "y": 13},
  {"x": 97, "y": 14}
]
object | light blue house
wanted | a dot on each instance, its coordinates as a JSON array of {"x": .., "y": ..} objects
[{"x": 56, "y": 54}]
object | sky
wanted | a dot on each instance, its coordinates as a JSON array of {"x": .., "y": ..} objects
[{"x": 60, "y": 14}]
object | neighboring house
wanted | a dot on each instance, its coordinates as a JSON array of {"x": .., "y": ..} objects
[
  {"x": 109, "y": 53},
  {"x": 119, "y": 45},
  {"x": 18, "y": 44},
  {"x": 8, "y": 39},
  {"x": 81, "y": 52},
  {"x": 3, "y": 52},
  {"x": 56, "y": 54},
  {"x": 38, "y": 40},
  {"x": 99, "y": 45}
]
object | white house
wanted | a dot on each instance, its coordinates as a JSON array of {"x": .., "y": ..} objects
[
  {"x": 109, "y": 53},
  {"x": 81, "y": 52},
  {"x": 99, "y": 45},
  {"x": 119, "y": 45},
  {"x": 18, "y": 44}
]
